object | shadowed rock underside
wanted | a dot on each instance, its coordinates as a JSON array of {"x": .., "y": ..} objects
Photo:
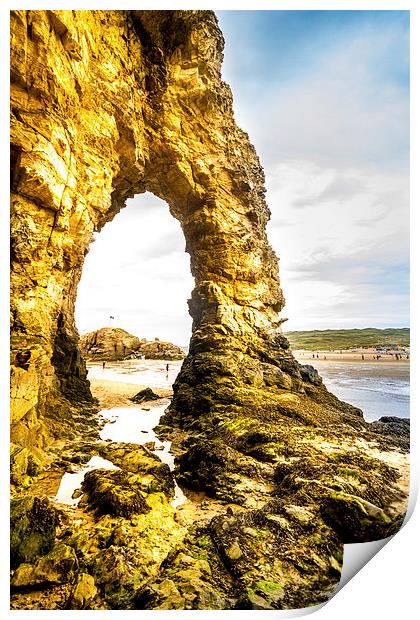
[{"x": 106, "y": 105}]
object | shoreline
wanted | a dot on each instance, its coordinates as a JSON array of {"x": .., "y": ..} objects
[
  {"x": 114, "y": 393},
  {"x": 333, "y": 356}
]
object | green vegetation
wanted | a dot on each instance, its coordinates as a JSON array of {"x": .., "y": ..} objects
[{"x": 330, "y": 339}]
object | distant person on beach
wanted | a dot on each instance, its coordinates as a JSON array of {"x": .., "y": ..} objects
[
  {"x": 103, "y": 365},
  {"x": 363, "y": 357},
  {"x": 167, "y": 367}
]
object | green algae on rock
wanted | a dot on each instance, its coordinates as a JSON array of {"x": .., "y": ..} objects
[
  {"x": 83, "y": 592},
  {"x": 33, "y": 523},
  {"x": 58, "y": 566},
  {"x": 115, "y": 492}
]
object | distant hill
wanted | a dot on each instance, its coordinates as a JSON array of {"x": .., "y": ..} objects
[{"x": 330, "y": 339}]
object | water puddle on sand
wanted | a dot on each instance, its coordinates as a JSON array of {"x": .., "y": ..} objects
[
  {"x": 70, "y": 482},
  {"x": 128, "y": 425}
]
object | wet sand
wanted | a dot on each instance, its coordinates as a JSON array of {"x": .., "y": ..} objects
[{"x": 378, "y": 388}]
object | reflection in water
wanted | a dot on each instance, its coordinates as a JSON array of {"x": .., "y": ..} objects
[
  {"x": 128, "y": 425},
  {"x": 70, "y": 482},
  {"x": 377, "y": 388},
  {"x": 134, "y": 425}
]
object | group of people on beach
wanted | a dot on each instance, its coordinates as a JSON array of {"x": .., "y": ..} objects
[{"x": 377, "y": 356}]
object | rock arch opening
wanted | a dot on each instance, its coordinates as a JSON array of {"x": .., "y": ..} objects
[{"x": 137, "y": 276}]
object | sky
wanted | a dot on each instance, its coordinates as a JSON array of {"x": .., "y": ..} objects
[{"x": 324, "y": 97}]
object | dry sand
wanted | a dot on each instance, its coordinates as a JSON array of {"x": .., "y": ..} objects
[{"x": 117, "y": 393}]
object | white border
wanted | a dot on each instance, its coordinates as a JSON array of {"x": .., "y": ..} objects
[{"x": 386, "y": 587}]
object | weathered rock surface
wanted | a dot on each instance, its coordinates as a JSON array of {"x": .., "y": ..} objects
[
  {"x": 83, "y": 593},
  {"x": 57, "y": 567},
  {"x": 159, "y": 349},
  {"x": 105, "y": 105},
  {"x": 394, "y": 427},
  {"x": 24, "y": 464},
  {"x": 115, "y": 492},
  {"x": 33, "y": 523},
  {"x": 134, "y": 104}
]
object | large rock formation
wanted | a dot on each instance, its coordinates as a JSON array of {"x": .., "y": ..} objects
[
  {"x": 160, "y": 350},
  {"x": 105, "y": 105},
  {"x": 108, "y": 343},
  {"x": 114, "y": 343}
]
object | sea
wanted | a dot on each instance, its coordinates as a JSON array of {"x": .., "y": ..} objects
[{"x": 379, "y": 389}]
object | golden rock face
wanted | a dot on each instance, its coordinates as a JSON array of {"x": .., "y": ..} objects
[{"x": 107, "y": 104}]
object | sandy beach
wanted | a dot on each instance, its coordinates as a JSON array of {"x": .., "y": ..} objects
[
  {"x": 377, "y": 386},
  {"x": 307, "y": 357},
  {"x": 117, "y": 393},
  {"x": 115, "y": 384}
]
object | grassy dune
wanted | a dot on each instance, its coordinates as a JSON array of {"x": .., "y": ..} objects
[{"x": 330, "y": 339}]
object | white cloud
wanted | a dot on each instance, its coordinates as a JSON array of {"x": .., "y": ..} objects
[
  {"x": 138, "y": 272},
  {"x": 336, "y": 239}
]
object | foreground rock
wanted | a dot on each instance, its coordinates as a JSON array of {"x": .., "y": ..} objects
[
  {"x": 83, "y": 593},
  {"x": 58, "y": 566},
  {"x": 33, "y": 523},
  {"x": 392, "y": 426},
  {"x": 113, "y": 343}
]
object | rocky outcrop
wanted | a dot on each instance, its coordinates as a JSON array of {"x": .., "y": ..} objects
[
  {"x": 123, "y": 102},
  {"x": 33, "y": 524},
  {"x": 114, "y": 343},
  {"x": 144, "y": 395},
  {"x": 105, "y": 105},
  {"x": 160, "y": 350},
  {"x": 57, "y": 567},
  {"x": 108, "y": 343},
  {"x": 394, "y": 427}
]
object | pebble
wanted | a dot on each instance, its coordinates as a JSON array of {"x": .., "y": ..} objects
[{"x": 234, "y": 552}]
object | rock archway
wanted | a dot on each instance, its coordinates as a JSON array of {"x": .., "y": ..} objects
[{"x": 105, "y": 105}]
